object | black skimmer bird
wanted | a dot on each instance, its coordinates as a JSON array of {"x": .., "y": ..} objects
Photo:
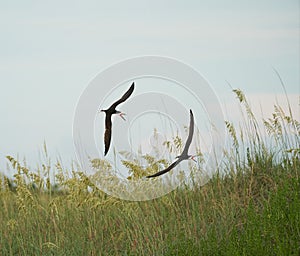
[
  {"x": 109, "y": 112},
  {"x": 184, "y": 155}
]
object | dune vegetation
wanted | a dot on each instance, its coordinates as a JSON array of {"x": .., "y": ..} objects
[{"x": 251, "y": 206}]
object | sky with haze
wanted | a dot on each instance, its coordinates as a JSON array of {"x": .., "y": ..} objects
[{"x": 50, "y": 51}]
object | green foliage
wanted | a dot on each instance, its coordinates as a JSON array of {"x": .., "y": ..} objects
[{"x": 250, "y": 207}]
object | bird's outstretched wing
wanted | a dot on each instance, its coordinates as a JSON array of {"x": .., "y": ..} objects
[
  {"x": 108, "y": 123},
  {"x": 191, "y": 132},
  {"x": 165, "y": 170},
  {"x": 107, "y": 133},
  {"x": 124, "y": 97},
  {"x": 184, "y": 152}
]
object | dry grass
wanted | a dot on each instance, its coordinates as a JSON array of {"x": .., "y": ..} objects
[{"x": 251, "y": 206}]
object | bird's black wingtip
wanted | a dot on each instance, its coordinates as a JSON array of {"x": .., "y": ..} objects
[
  {"x": 150, "y": 176},
  {"x": 191, "y": 112}
]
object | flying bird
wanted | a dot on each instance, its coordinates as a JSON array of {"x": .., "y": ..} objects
[
  {"x": 109, "y": 112},
  {"x": 184, "y": 155}
]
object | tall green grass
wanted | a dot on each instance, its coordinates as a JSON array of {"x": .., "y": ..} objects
[{"x": 250, "y": 207}]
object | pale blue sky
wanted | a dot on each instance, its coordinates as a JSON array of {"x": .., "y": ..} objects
[{"x": 50, "y": 51}]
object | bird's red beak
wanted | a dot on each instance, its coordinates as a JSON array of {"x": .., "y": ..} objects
[
  {"x": 122, "y": 116},
  {"x": 193, "y": 158}
]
